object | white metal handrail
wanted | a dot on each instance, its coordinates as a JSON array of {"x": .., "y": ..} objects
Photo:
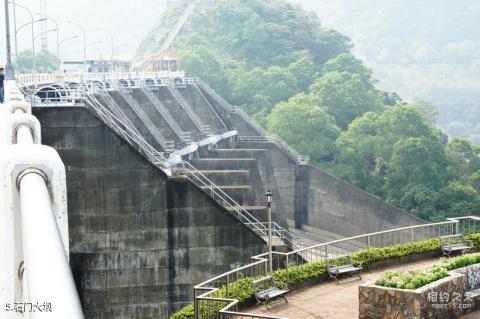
[
  {"x": 44, "y": 279},
  {"x": 284, "y": 146},
  {"x": 195, "y": 85},
  {"x": 204, "y": 292},
  {"x": 183, "y": 136},
  {"x": 126, "y": 131},
  {"x": 151, "y": 127},
  {"x": 187, "y": 108},
  {"x": 49, "y": 78}
]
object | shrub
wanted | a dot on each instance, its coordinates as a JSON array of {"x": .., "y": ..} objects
[
  {"x": 412, "y": 279},
  {"x": 417, "y": 279},
  {"x": 242, "y": 288}
]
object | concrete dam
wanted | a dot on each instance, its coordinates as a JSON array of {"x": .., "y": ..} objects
[{"x": 142, "y": 233}]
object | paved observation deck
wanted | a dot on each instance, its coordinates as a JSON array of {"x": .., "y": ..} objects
[{"x": 328, "y": 300}]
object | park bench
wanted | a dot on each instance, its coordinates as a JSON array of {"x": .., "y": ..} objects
[
  {"x": 343, "y": 264},
  {"x": 266, "y": 289},
  {"x": 451, "y": 243}
]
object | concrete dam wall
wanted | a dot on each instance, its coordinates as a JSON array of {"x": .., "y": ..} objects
[
  {"x": 314, "y": 200},
  {"x": 139, "y": 241}
]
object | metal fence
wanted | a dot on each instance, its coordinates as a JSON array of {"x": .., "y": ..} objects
[{"x": 212, "y": 298}]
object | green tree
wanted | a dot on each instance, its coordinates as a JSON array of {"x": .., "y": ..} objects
[
  {"x": 305, "y": 71},
  {"x": 464, "y": 157},
  {"x": 346, "y": 62},
  {"x": 345, "y": 96},
  {"x": 415, "y": 161},
  {"x": 307, "y": 127},
  {"x": 44, "y": 61}
]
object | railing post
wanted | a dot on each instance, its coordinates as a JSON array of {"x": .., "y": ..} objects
[
  {"x": 411, "y": 231},
  {"x": 195, "y": 306},
  {"x": 226, "y": 287},
  {"x": 368, "y": 247}
]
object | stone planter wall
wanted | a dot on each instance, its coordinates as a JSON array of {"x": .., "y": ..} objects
[{"x": 442, "y": 299}]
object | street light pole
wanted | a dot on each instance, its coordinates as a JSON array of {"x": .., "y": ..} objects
[
  {"x": 112, "y": 41},
  {"x": 15, "y": 28},
  {"x": 84, "y": 45},
  {"x": 58, "y": 30},
  {"x": 32, "y": 31},
  {"x": 269, "y": 196},
  {"x": 65, "y": 40},
  {"x": 9, "y": 73}
]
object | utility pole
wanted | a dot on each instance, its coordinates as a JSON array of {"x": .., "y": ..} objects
[{"x": 9, "y": 73}]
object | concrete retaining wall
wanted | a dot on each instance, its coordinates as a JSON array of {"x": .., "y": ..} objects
[{"x": 447, "y": 298}]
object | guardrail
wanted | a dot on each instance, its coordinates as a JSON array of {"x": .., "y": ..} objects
[
  {"x": 49, "y": 78},
  {"x": 33, "y": 218},
  {"x": 212, "y": 298}
]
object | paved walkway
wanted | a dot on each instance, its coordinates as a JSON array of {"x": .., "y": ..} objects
[
  {"x": 329, "y": 300},
  {"x": 473, "y": 315}
]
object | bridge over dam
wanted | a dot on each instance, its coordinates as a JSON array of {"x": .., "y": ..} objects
[{"x": 164, "y": 188}]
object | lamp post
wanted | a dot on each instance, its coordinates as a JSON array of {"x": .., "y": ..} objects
[
  {"x": 65, "y": 40},
  {"x": 60, "y": 45},
  {"x": 112, "y": 42},
  {"x": 56, "y": 26},
  {"x": 269, "y": 197},
  {"x": 33, "y": 39},
  {"x": 9, "y": 74},
  {"x": 32, "y": 30},
  {"x": 84, "y": 44}
]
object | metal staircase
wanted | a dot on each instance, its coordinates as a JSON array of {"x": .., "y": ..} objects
[
  {"x": 183, "y": 136},
  {"x": 126, "y": 130},
  {"x": 110, "y": 113},
  {"x": 264, "y": 135},
  {"x": 168, "y": 146},
  {"x": 204, "y": 129}
]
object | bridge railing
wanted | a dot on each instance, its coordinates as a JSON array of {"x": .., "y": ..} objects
[
  {"x": 213, "y": 299},
  {"x": 33, "y": 216},
  {"x": 37, "y": 79}
]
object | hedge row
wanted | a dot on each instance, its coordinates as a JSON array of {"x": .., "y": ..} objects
[
  {"x": 242, "y": 288},
  {"x": 417, "y": 279}
]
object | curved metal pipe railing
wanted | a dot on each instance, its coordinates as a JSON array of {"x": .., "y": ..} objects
[
  {"x": 206, "y": 299},
  {"x": 47, "y": 276}
]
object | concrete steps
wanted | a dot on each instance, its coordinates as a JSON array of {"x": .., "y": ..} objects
[
  {"x": 230, "y": 163},
  {"x": 316, "y": 238},
  {"x": 236, "y": 153},
  {"x": 228, "y": 177},
  {"x": 259, "y": 212},
  {"x": 242, "y": 194}
]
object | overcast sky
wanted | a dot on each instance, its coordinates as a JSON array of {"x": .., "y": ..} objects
[{"x": 129, "y": 21}]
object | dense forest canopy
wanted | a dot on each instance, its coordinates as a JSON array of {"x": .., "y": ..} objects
[
  {"x": 301, "y": 81},
  {"x": 425, "y": 50}
]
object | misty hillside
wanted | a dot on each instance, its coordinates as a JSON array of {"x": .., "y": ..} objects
[
  {"x": 301, "y": 81},
  {"x": 424, "y": 50}
]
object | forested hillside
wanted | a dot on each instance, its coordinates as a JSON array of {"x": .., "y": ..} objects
[
  {"x": 426, "y": 50},
  {"x": 301, "y": 81}
]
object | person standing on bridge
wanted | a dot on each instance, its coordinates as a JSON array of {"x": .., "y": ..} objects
[{"x": 2, "y": 77}]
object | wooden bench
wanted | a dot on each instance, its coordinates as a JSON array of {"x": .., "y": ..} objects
[
  {"x": 343, "y": 264},
  {"x": 266, "y": 289},
  {"x": 451, "y": 243}
]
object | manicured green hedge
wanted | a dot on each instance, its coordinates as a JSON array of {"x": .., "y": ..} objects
[
  {"x": 242, "y": 288},
  {"x": 412, "y": 279},
  {"x": 417, "y": 279}
]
